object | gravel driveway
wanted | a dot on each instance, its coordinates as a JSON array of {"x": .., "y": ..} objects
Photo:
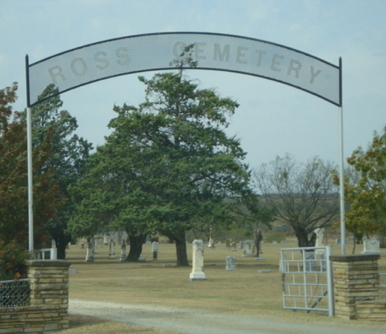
[{"x": 198, "y": 322}]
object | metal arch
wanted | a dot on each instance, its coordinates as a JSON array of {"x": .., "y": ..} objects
[{"x": 36, "y": 78}]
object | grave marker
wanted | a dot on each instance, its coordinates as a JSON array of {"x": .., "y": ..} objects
[{"x": 198, "y": 261}]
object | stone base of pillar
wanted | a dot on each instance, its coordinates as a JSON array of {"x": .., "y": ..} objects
[{"x": 197, "y": 276}]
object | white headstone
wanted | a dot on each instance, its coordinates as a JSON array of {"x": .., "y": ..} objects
[
  {"x": 89, "y": 254},
  {"x": 319, "y": 237},
  {"x": 247, "y": 249},
  {"x": 230, "y": 263},
  {"x": 198, "y": 261},
  {"x": 154, "y": 249},
  {"x": 371, "y": 246},
  {"x": 154, "y": 246},
  {"x": 211, "y": 243},
  {"x": 123, "y": 251},
  {"x": 112, "y": 249}
]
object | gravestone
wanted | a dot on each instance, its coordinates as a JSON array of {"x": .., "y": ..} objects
[
  {"x": 72, "y": 270},
  {"x": 228, "y": 243},
  {"x": 319, "y": 241},
  {"x": 234, "y": 246},
  {"x": 211, "y": 243},
  {"x": 112, "y": 249},
  {"x": 154, "y": 249},
  {"x": 371, "y": 246},
  {"x": 198, "y": 261},
  {"x": 241, "y": 245},
  {"x": 123, "y": 251},
  {"x": 89, "y": 253},
  {"x": 319, "y": 237},
  {"x": 230, "y": 263},
  {"x": 247, "y": 249}
]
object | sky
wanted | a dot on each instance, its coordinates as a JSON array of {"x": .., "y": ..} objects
[{"x": 273, "y": 119}]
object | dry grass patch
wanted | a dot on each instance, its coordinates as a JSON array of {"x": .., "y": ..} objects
[
  {"x": 85, "y": 325},
  {"x": 244, "y": 291}
]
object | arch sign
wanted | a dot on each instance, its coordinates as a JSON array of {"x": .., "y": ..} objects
[{"x": 150, "y": 52}]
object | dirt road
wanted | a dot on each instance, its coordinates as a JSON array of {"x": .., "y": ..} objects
[{"x": 197, "y": 322}]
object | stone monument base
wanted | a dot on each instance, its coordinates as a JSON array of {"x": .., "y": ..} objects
[{"x": 197, "y": 276}]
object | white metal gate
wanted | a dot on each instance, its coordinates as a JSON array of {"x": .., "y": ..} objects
[{"x": 307, "y": 279}]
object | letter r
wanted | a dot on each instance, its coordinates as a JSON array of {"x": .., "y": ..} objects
[{"x": 55, "y": 72}]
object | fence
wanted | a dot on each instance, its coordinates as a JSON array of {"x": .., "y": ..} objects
[
  {"x": 14, "y": 293},
  {"x": 46, "y": 303},
  {"x": 307, "y": 279},
  {"x": 46, "y": 254}
]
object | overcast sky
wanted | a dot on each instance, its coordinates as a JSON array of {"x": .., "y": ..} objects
[{"x": 273, "y": 118}]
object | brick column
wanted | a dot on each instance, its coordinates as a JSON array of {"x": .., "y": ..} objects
[
  {"x": 49, "y": 289},
  {"x": 356, "y": 279}
]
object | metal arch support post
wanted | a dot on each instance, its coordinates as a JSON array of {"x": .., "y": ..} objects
[
  {"x": 30, "y": 184},
  {"x": 341, "y": 189},
  {"x": 341, "y": 169},
  {"x": 29, "y": 165}
]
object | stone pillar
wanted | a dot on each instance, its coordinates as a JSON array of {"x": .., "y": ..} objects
[
  {"x": 356, "y": 279},
  {"x": 49, "y": 288},
  {"x": 112, "y": 249},
  {"x": 198, "y": 261}
]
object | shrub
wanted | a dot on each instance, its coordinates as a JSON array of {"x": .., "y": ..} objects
[{"x": 12, "y": 261}]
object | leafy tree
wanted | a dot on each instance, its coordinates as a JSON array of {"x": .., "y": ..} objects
[
  {"x": 13, "y": 177},
  {"x": 366, "y": 196},
  {"x": 168, "y": 165},
  {"x": 109, "y": 198},
  {"x": 68, "y": 157},
  {"x": 302, "y": 195},
  {"x": 12, "y": 261}
]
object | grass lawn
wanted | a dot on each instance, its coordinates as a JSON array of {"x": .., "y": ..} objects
[{"x": 244, "y": 291}]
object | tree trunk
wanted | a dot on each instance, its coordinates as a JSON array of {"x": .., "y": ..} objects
[
  {"x": 136, "y": 243},
  {"x": 303, "y": 240},
  {"x": 258, "y": 237},
  {"x": 182, "y": 257},
  {"x": 61, "y": 242},
  {"x": 382, "y": 239},
  {"x": 178, "y": 235}
]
